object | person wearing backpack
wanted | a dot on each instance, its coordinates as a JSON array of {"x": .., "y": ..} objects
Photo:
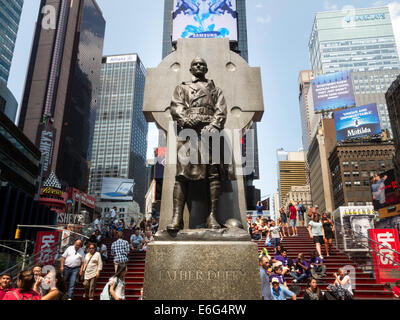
[
  {"x": 115, "y": 288},
  {"x": 25, "y": 283}
]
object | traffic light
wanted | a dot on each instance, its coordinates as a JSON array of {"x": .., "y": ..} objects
[{"x": 17, "y": 234}]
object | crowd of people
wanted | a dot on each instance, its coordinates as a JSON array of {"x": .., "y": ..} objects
[
  {"x": 82, "y": 260},
  {"x": 274, "y": 269}
]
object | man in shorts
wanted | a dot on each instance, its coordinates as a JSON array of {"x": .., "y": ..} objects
[{"x": 301, "y": 209}]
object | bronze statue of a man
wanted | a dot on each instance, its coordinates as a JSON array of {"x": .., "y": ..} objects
[{"x": 201, "y": 106}]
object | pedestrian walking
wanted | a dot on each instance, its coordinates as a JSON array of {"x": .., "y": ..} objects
[
  {"x": 329, "y": 229},
  {"x": 293, "y": 219},
  {"x": 317, "y": 233},
  {"x": 71, "y": 262},
  {"x": 285, "y": 225},
  {"x": 90, "y": 271},
  {"x": 120, "y": 251}
]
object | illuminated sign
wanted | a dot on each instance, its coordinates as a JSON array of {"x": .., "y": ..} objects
[
  {"x": 121, "y": 59},
  {"x": 52, "y": 191},
  {"x": 204, "y": 19}
]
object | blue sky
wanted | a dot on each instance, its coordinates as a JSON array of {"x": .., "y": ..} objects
[{"x": 278, "y": 34}]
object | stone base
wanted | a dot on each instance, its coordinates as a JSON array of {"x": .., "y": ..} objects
[
  {"x": 232, "y": 234},
  {"x": 203, "y": 270}
]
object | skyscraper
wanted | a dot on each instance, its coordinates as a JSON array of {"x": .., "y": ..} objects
[
  {"x": 361, "y": 41},
  {"x": 120, "y": 144},
  {"x": 10, "y": 14},
  {"x": 60, "y": 96},
  {"x": 356, "y": 40},
  {"x": 291, "y": 172}
]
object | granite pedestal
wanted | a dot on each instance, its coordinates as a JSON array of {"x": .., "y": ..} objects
[{"x": 202, "y": 270}]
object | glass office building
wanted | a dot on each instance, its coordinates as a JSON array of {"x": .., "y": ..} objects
[
  {"x": 10, "y": 14},
  {"x": 362, "y": 41},
  {"x": 358, "y": 40},
  {"x": 120, "y": 136}
]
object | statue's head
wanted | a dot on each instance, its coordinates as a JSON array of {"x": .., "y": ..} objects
[{"x": 198, "y": 67}]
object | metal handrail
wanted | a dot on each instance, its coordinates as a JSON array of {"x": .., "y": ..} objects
[{"x": 371, "y": 240}]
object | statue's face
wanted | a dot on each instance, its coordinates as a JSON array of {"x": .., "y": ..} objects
[{"x": 199, "y": 68}]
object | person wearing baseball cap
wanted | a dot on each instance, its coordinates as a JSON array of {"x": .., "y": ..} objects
[{"x": 279, "y": 292}]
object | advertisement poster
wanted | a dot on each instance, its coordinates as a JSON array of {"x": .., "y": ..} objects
[
  {"x": 46, "y": 245},
  {"x": 386, "y": 194},
  {"x": 386, "y": 261},
  {"x": 389, "y": 223},
  {"x": 117, "y": 189},
  {"x": 357, "y": 122},
  {"x": 333, "y": 91},
  {"x": 356, "y": 222},
  {"x": 204, "y": 19}
]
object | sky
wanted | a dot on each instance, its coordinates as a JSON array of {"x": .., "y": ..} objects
[{"x": 278, "y": 34}]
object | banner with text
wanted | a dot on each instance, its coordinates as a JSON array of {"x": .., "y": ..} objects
[
  {"x": 386, "y": 261},
  {"x": 333, "y": 91},
  {"x": 357, "y": 122},
  {"x": 46, "y": 247}
]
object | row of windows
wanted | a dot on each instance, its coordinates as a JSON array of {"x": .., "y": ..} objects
[{"x": 371, "y": 163}]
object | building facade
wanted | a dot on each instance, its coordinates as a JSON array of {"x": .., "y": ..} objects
[
  {"x": 356, "y": 40},
  {"x": 10, "y": 15},
  {"x": 352, "y": 165},
  {"x": 120, "y": 134},
  {"x": 317, "y": 159},
  {"x": 291, "y": 172},
  {"x": 393, "y": 103},
  {"x": 8, "y": 103},
  {"x": 299, "y": 194},
  {"x": 61, "y": 90}
]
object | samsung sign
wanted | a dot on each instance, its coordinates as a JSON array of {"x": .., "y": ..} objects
[{"x": 366, "y": 17}]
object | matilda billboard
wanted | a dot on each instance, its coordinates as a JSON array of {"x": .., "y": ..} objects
[
  {"x": 204, "y": 19},
  {"x": 333, "y": 91},
  {"x": 357, "y": 122}
]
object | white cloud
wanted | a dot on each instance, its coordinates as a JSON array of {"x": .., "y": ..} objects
[
  {"x": 330, "y": 6},
  {"x": 394, "y": 8},
  {"x": 259, "y": 5},
  {"x": 264, "y": 20}
]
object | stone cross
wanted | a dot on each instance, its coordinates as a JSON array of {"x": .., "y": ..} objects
[{"x": 242, "y": 88}]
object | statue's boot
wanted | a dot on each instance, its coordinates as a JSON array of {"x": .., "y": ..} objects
[
  {"x": 179, "y": 206},
  {"x": 215, "y": 191}
]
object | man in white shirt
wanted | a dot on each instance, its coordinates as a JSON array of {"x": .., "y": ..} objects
[
  {"x": 96, "y": 224},
  {"x": 71, "y": 262}
]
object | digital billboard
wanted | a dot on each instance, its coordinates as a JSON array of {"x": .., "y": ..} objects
[
  {"x": 117, "y": 189},
  {"x": 386, "y": 194},
  {"x": 333, "y": 91},
  {"x": 357, "y": 122},
  {"x": 204, "y": 19}
]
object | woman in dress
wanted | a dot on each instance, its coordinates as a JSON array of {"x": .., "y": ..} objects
[{"x": 329, "y": 229}]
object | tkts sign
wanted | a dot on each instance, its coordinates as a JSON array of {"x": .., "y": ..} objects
[
  {"x": 386, "y": 248},
  {"x": 46, "y": 247}
]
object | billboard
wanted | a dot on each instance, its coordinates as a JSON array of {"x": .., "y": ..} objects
[
  {"x": 117, "y": 189},
  {"x": 386, "y": 262},
  {"x": 333, "y": 91},
  {"x": 357, "y": 122},
  {"x": 356, "y": 222},
  {"x": 386, "y": 194},
  {"x": 204, "y": 19}
]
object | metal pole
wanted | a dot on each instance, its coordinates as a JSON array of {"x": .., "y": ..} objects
[{"x": 24, "y": 256}]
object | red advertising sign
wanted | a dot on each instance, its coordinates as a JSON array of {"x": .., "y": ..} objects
[
  {"x": 76, "y": 195},
  {"x": 386, "y": 269},
  {"x": 46, "y": 248}
]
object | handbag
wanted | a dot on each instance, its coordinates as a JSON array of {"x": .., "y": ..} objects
[{"x": 82, "y": 277}]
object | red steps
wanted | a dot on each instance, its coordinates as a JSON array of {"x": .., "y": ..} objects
[{"x": 366, "y": 287}]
